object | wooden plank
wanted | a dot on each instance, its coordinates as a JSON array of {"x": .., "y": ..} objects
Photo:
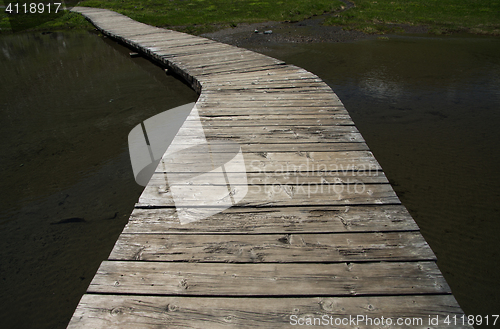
[
  {"x": 303, "y": 147},
  {"x": 179, "y": 55},
  {"x": 328, "y": 162},
  {"x": 227, "y": 64},
  {"x": 270, "y": 103},
  {"x": 269, "y": 89},
  {"x": 288, "y": 178},
  {"x": 168, "y": 52},
  {"x": 273, "y": 248},
  {"x": 235, "y": 56},
  {"x": 167, "y": 38},
  {"x": 132, "y": 312},
  {"x": 214, "y": 59},
  {"x": 279, "y": 220},
  {"x": 265, "y": 83},
  {"x": 284, "y": 128},
  {"x": 270, "y": 97},
  {"x": 280, "y": 72},
  {"x": 272, "y": 120},
  {"x": 250, "y": 66},
  {"x": 283, "y": 74},
  {"x": 214, "y": 110},
  {"x": 275, "y": 135},
  {"x": 192, "y": 197},
  {"x": 153, "y": 36},
  {"x": 129, "y": 33},
  {"x": 152, "y": 45},
  {"x": 262, "y": 279}
]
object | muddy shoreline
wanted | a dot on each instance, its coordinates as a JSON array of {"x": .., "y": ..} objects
[{"x": 307, "y": 31}]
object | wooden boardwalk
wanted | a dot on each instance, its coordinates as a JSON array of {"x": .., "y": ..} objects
[{"x": 317, "y": 233}]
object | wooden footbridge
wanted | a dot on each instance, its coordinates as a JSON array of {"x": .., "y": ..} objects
[{"x": 316, "y": 235}]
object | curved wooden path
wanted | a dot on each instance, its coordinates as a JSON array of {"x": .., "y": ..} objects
[{"x": 319, "y": 233}]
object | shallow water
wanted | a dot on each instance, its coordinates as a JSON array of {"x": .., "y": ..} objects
[
  {"x": 68, "y": 102},
  {"x": 429, "y": 109}
]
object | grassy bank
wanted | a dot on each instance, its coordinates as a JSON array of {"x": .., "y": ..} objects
[
  {"x": 370, "y": 16},
  {"x": 64, "y": 21},
  {"x": 198, "y": 16},
  {"x": 439, "y": 16}
]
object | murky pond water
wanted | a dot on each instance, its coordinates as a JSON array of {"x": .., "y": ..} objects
[
  {"x": 429, "y": 108},
  {"x": 68, "y": 102}
]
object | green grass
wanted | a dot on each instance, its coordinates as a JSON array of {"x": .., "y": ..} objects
[
  {"x": 370, "y": 16},
  {"x": 198, "y": 16},
  {"x": 65, "y": 21},
  {"x": 440, "y": 16}
]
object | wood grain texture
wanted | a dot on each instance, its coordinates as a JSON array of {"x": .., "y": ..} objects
[
  {"x": 263, "y": 279},
  {"x": 279, "y": 163},
  {"x": 338, "y": 178},
  {"x": 273, "y": 248},
  {"x": 270, "y": 120},
  {"x": 277, "y": 135},
  {"x": 190, "y": 196},
  {"x": 131, "y": 312},
  {"x": 277, "y": 220}
]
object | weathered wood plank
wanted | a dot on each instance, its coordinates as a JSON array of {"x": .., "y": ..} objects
[
  {"x": 303, "y": 147},
  {"x": 167, "y": 38},
  {"x": 285, "y": 178},
  {"x": 285, "y": 127},
  {"x": 132, "y": 312},
  {"x": 271, "y": 103},
  {"x": 280, "y": 72},
  {"x": 270, "y": 110},
  {"x": 228, "y": 62},
  {"x": 276, "y": 195},
  {"x": 328, "y": 162},
  {"x": 275, "y": 248},
  {"x": 251, "y": 97},
  {"x": 275, "y": 135},
  {"x": 279, "y": 220},
  {"x": 269, "y": 89},
  {"x": 235, "y": 56},
  {"x": 223, "y": 53},
  {"x": 262, "y": 279},
  {"x": 273, "y": 120},
  {"x": 152, "y": 45},
  {"x": 229, "y": 65},
  {"x": 253, "y": 83},
  {"x": 254, "y": 65},
  {"x": 191, "y": 49}
]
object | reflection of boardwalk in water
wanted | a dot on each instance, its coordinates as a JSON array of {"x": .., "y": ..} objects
[{"x": 319, "y": 237}]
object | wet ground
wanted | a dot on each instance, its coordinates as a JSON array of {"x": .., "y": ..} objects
[{"x": 307, "y": 31}]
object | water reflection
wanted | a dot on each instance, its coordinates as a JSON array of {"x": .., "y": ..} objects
[{"x": 377, "y": 83}]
